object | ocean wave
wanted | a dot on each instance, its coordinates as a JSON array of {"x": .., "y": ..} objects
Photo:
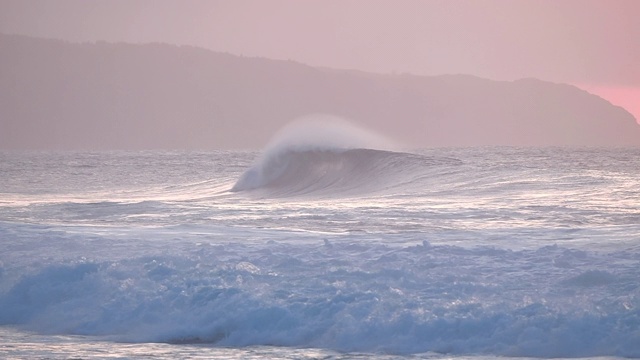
[
  {"x": 326, "y": 156},
  {"x": 402, "y": 300},
  {"x": 335, "y": 172},
  {"x": 502, "y": 254}
]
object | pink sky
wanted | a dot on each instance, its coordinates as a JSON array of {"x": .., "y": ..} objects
[
  {"x": 626, "y": 97},
  {"x": 595, "y": 42}
]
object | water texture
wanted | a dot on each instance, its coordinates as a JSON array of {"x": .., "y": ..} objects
[{"x": 323, "y": 250}]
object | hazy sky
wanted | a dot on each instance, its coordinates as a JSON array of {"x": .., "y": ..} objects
[{"x": 591, "y": 43}]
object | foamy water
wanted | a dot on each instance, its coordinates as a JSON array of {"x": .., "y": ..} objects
[{"x": 334, "y": 253}]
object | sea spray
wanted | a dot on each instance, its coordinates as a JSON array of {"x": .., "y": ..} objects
[
  {"x": 325, "y": 132},
  {"x": 328, "y": 156}
]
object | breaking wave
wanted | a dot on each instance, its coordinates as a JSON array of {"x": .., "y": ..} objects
[
  {"x": 331, "y": 159},
  {"x": 403, "y": 300},
  {"x": 333, "y": 172}
]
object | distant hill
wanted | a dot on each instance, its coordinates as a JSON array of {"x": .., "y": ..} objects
[{"x": 59, "y": 95}]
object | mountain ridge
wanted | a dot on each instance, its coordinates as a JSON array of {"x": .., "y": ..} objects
[{"x": 56, "y": 94}]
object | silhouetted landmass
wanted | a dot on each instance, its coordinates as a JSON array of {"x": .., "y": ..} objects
[{"x": 59, "y": 95}]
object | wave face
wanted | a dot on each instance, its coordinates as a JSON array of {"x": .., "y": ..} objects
[
  {"x": 335, "y": 172},
  {"x": 326, "y": 156}
]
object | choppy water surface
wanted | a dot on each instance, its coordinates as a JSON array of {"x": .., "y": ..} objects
[{"x": 321, "y": 253}]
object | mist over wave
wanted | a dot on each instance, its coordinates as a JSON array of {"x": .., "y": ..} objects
[{"x": 327, "y": 156}]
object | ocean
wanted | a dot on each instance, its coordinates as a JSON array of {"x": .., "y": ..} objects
[{"x": 320, "y": 252}]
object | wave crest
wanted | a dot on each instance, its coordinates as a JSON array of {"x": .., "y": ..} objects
[
  {"x": 325, "y": 155},
  {"x": 334, "y": 172}
]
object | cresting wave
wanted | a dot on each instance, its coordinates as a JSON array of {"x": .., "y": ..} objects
[
  {"x": 327, "y": 157},
  {"x": 334, "y": 172}
]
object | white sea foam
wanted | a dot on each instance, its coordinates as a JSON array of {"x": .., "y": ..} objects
[{"x": 343, "y": 293}]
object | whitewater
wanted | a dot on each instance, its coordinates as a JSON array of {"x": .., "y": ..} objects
[{"x": 321, "y": 251}]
